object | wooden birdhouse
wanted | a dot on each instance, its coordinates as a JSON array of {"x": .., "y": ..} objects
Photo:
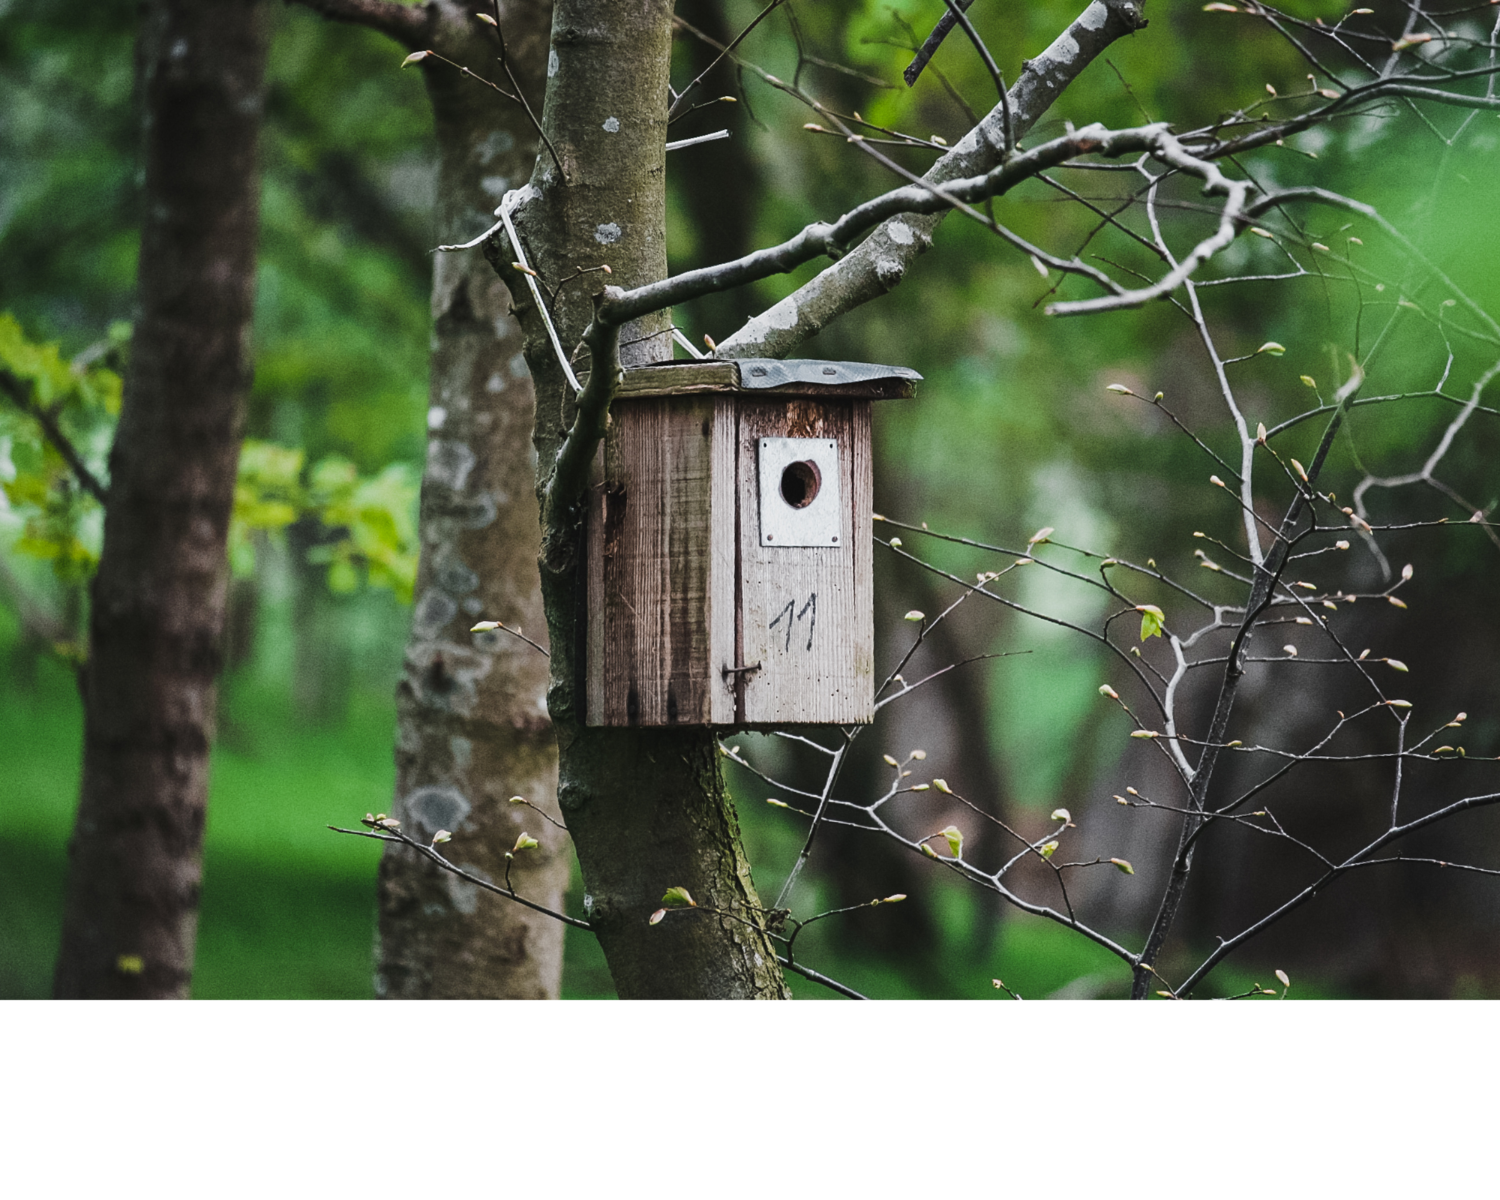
[{"x": 729, "y": 555}]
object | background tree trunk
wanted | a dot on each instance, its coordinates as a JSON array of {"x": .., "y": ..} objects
[
  {"x": 471, "y": 709},
  {"x": 647, "y": 809},
  {"x": 158, "y": 600}
]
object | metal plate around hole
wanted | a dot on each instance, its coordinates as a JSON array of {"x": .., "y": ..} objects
[{"x": 818, "y": 523}]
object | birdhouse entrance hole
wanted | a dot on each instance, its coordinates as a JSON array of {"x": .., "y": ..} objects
[{"x": 800, "y": 483}]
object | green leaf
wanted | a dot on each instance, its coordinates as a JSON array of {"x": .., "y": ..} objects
[
  {"x": 955, "y": 839},
  {"x": 1274, "y": 349},
  {"x": 372, "y": 519},
  {"x": 524, "y": 842},
  {"x": 1049, "y": 849},
  {"x": 343, "y": 578},
  {"x": 678, "y": 897},
  {"x": 59, "y": 521},
  {"x": 1152, "y": 620},
  {"x": 1125, "y": 867}
]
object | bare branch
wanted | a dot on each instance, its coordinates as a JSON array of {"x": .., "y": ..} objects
[
  {"x": 883, "y": 258},
  {"x": 925, "y": 198},
  {"x": 570, "y": 472},
  {"x": 406, "y": 24},
  {"x": 818, "y": 977},
  {"x": 724, "y": 52},
  {"x": 956, "y": 11},
  {"x": 386, "y": 832},
  {"x": 934, "y": 39},
  {"x": 1237, "y": 193},
  {"x": 1267, "y": 575}
]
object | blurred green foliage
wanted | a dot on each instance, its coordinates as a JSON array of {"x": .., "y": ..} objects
[
  {"x": 58, "y": 519},
  {"x": 372, "y": 521},
  {"x": 368, "y": 524},
  {"x": 341, "y": 332}
]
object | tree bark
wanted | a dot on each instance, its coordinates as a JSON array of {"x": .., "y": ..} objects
[
  {"x": 648, "y": 810},
  {"x": 472, "y": 727},
  {"x": 158, "y": 600}
]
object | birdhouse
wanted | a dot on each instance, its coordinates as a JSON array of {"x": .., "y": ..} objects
[{"x": 729, "y": 551}]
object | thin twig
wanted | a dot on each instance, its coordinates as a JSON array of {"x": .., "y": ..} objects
[
  {"x": 21, "y": 396},
  {"x": 388, "y": 834}
]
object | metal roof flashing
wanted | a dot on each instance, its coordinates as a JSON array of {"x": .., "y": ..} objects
[
  {"x": 794, "y": 377},
  {"x": 757, "y": 373}
]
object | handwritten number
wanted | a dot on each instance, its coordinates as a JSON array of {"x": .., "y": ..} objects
[
  {"x": 812, "y": 603},
  {"x": 789, "y": 613},
  {"x": 791, "y": 606}
]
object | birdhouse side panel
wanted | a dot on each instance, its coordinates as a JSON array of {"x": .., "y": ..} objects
[
  {"x": 651, "y": 644},
  {"x": 723, "y": 582},
  {"x": 593, "y": 655},
  {"x": 806, "y": 610}
]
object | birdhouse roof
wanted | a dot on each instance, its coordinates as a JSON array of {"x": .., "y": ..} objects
[{"x": 768, "y": 377}]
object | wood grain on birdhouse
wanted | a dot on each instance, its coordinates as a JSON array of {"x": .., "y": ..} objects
[
  {"x": 807, "y": 612},
  {"x": 729, "y": 560}
]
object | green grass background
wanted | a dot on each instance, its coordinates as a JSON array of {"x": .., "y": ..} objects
[{"x": 289, "y": 908}]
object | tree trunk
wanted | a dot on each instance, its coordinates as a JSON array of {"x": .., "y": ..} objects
[
  {"x": 158, "y": 600},
  {"x": 648, "y": 809},
  {"x": 471, "y": 709}
]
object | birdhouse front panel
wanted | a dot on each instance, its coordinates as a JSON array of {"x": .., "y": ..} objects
[
  {"x": 729, "y": 561},
  {"x": 806, "y": 587}
]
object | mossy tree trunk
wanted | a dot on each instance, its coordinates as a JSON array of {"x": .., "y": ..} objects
[
  {"x": 472, "y": 727},
  {"x": 471, "y": 709}
]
